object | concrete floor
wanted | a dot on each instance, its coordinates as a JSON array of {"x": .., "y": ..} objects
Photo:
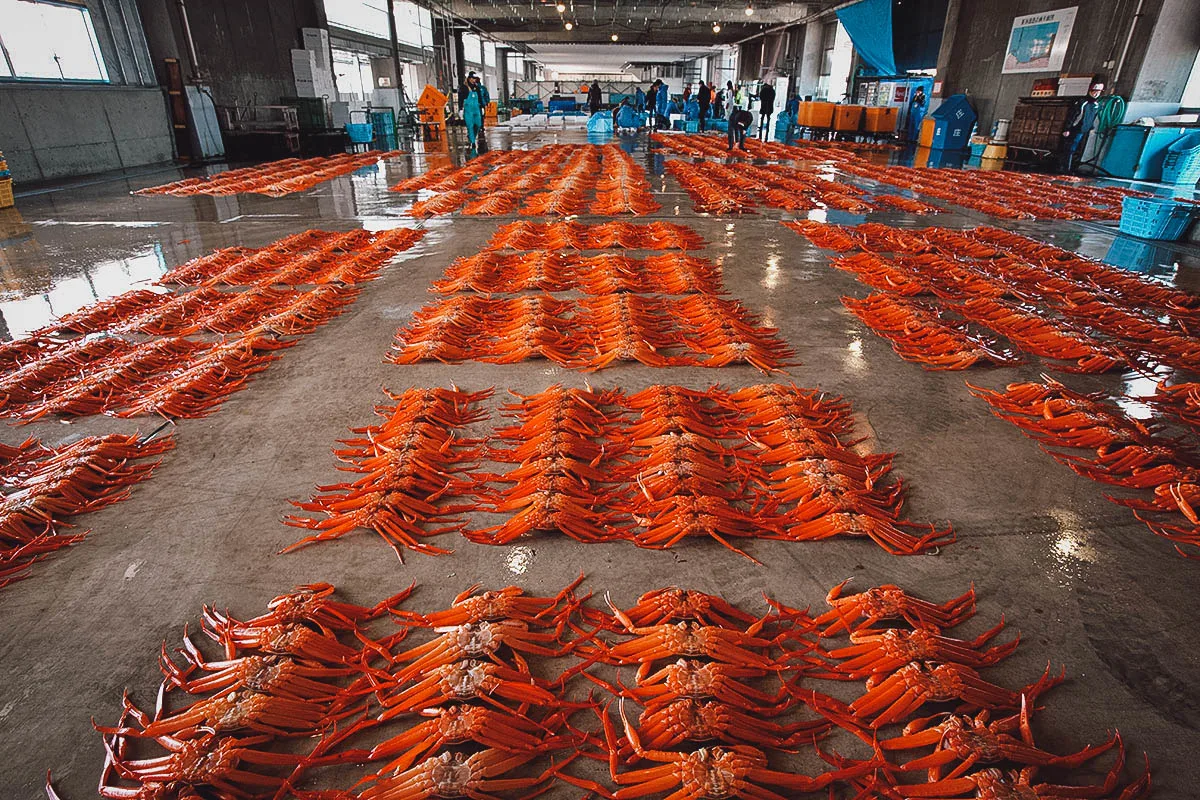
[{"x": 1085, "y": 583}]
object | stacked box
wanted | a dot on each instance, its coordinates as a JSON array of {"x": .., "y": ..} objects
[{"x": 316, "y": 41}]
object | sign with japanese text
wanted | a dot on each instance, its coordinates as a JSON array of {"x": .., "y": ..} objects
[{"x": 1038, "y": 42}]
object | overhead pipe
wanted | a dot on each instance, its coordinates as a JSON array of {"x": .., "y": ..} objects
[
  {"x": 187, "y": 35},
  {"x": 801, "y": 21},
  {"x": 1128, "y": 41}
]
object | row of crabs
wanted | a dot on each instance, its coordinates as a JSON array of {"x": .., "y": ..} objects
[
  {"x": 42, "y": 486},
  {"x": 655, "y": 467},
  {"x": 143, "y": 352},
  {"x": 558, "y": 180},
  {"x": 476, "y": 709},
  {"x": 275, "y": 178},
  {"x": 1084, "y": 315},
  {"x": 727, "y": 189}
]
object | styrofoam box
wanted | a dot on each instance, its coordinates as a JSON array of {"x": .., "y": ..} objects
[
  {"x": 316, "y": 40},
  {"x": 304, "y": 63},
  {"x": 1074, "y": 87}
]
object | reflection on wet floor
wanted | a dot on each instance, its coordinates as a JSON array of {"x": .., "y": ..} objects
[{"x": 62, "y": 250}]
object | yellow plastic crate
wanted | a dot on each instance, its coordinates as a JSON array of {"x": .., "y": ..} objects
[{"x": 6, "y": 194}]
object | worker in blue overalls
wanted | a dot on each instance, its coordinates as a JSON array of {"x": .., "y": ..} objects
[
  {"x": 473, "y": 98},
  {"x": 662, "y": 103},
  {"x": 916, "y": 113}
]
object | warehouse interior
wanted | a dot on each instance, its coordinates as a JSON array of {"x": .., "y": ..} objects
[{"x": 412, "y": 399}]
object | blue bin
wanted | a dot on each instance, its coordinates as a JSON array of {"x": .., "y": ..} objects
[
  {"x": 1155, "y": 217},
  {"x": 954, "y": 120},
  {"x": 360, "y": 132},
  {"x": 1182, "y": 164}
]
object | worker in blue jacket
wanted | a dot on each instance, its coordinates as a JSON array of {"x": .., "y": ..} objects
[
  {"x": 473, "y": 98},
  {"x": 662, "y": 102},
  {"x": 1079, "y": 124},
  {"x": 639, "y": 99}
]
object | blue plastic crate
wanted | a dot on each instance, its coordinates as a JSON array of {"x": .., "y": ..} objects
[
  {"x": 360, "y": 132},
  {"x": 1182, "y": 162},
  {"x": 692, "y": 125},
  {"x": 1155, "y": 217}
]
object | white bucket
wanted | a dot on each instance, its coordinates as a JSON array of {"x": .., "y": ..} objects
[{"x": 1000, "y": 130}]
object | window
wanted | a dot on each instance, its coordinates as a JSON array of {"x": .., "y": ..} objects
[
  {"x": 364, "y": 16},
  {"x": 353, "y": 75},
  {"x": 48, "y": 41},
  {"x": 837, "y": 53},
  {"x": 414, "y": 25},
  {"x": 472, "y": 48},
  {"x": 489, "y": 54}
]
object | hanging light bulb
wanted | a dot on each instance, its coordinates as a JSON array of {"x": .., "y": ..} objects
[
  {"x": 749, "y": 11},
  {"x": 716, "y": 27},
  {"x": 560, "y": 8},
  {"x": 570, "y": 25},
  {"x": 613, "y": 37}
]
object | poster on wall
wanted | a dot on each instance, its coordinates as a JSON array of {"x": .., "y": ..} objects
[{"x": 1038, "y": 42}]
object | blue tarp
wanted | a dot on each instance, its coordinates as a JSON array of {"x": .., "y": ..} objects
[
  {"x": 600, "y": 122},
  {"x": 869, "y": 24}
]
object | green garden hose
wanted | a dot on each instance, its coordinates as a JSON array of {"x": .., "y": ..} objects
[{"x": 1109, "y": 114}]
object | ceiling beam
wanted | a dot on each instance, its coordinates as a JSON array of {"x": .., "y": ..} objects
[{"x": 765, "y": 13}]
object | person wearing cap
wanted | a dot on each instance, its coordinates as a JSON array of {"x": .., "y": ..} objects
[
  {"x": 1080, "y": 123},
  {"x": 473, "y": 98}
]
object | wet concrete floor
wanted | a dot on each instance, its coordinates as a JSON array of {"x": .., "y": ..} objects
[{"x": 1086, "y": 585}]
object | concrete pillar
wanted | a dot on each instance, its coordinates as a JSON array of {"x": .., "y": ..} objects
[
  {"x": 502, "y": 72},
  {"x": 947, "y": 48},
  {"x": 460, "y": 58},
  {"x": 1166, "y": 63},
  {"x": 809, "y": 69}
]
